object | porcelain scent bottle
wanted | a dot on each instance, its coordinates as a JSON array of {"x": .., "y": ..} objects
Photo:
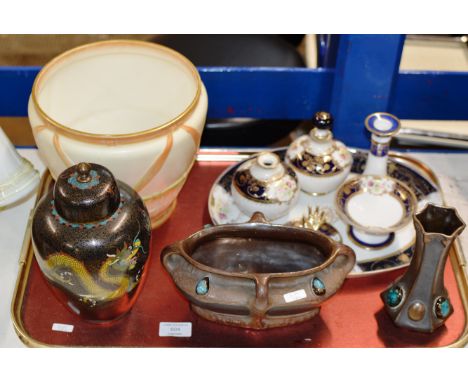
[
  {"x": 321, "y": 163},
  {"x": 374, "y": 204},
  {"x": 91, "y": 237},
  {"x": 265, "y": 184},
  {"x": 382, "y": 126},
  {"x": 419, "y": 300}
]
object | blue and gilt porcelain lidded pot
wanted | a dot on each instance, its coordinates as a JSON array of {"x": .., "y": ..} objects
[
  {"x": 91, "y": 237},
  {"x": 383, "y": 127},
  {"x": 321, "y": 163},
  {"x": 265, "y": 184}
]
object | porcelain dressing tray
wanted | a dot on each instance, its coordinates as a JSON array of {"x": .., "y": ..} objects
[{"x": 319, "y": 210}]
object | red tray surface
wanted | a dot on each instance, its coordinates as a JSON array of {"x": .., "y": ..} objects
[{"x": 352, "y": 318}]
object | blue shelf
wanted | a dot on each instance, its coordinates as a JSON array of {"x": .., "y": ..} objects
[{"x": 366, "y": 79}]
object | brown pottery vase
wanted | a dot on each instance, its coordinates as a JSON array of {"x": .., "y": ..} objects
[{"x": 419, "y": 300}]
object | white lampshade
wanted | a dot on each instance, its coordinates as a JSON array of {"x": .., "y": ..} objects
[{"x": 17, "y": 175}]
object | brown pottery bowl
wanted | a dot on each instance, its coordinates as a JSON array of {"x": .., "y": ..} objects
[{"x": 257, "y": 275}]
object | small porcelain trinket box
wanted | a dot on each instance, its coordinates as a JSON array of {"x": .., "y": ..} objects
[
  {"x": 374, "y": 207},
  {"x": 321, "y": 163},
  {"x": 91, "y": 237},
  {"x": 265, "y": 184}
]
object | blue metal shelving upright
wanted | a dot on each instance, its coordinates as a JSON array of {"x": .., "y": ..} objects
[{"x": 365, "y": 77}]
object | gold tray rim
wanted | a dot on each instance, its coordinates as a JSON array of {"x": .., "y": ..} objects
[{"x": 457, "y": 258}]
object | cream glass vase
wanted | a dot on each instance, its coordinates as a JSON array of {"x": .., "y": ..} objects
[{"x": 136, "y": 108}]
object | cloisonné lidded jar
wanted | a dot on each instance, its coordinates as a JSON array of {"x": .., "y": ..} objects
[
  {"x": 321, "y": 163},
  {"x": 265, "y": 184},
  {"x": 91, "y": 236}
]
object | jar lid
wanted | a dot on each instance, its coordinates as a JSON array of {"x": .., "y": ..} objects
[
  {"x": 323, "y": 124},
  {"x": 323, "y": 120},
  {"x": 86, "y": 192}
]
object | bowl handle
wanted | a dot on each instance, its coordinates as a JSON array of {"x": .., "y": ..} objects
[
  {"x": 167, "y": 253},
  {"x": 337, "y": 271},
  {"x": 346, "y": 255},
  {"x": 180, "y": 270}
]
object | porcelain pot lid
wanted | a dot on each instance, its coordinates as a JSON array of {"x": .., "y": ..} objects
[
  {"x": 317, "y": 153},
  {"x": 323, "y": 124},
  {"x": 86, "y": 192}
]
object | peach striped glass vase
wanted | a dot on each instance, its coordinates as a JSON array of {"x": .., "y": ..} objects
[{"x": 134, "y": 107}]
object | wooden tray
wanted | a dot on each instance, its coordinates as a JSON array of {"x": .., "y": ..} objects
[{"x": 352, "y": 318}]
